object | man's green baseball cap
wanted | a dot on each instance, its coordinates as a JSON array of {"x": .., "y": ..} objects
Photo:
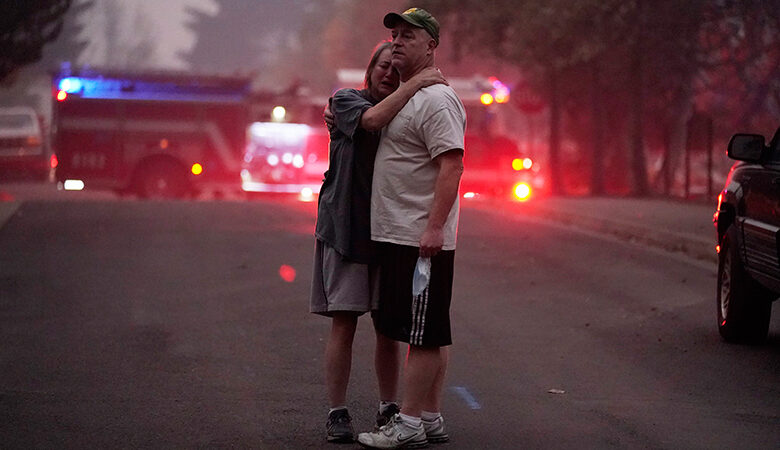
[{"x": 418, "y": 17}]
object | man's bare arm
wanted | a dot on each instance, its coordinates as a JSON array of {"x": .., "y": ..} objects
[{"x": 445, "y": 194}]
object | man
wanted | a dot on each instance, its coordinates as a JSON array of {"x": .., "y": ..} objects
[{"x": 414, "y": 214}]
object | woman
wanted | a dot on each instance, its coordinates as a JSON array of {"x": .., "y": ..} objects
[{"x": 344, "y": 285}]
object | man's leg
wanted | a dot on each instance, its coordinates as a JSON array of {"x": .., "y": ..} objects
[
  {"x": 425, "y": 366},
  {"x": 432, "y": 402},
  {"x": 338, "y": 357},
  {"x": 422, "y": 367},
  {"x": 432, "y": 420}
]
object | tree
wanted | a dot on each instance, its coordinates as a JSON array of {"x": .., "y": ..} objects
[
  {"x": 69, "y": 45},
  {"x": 242, "y": 36},
  {"x": 632, "y": 67},
  {"x": 126, "y": 38},
  {"x": 25, "y": 27},
  {"x": 288, "y": 42},
  {"x": 740, "y": 84},
  {"x": 547, "y": 39}
]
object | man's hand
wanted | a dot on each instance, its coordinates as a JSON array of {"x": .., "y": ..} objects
[{"x": 431, "y": 242}]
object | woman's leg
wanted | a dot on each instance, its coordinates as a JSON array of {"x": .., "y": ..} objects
[
  {"x": 338, "y": 357},
  {"x": 387, "y": 366}
]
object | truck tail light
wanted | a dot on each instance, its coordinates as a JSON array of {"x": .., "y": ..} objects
[{"x": 522, "y": 191}]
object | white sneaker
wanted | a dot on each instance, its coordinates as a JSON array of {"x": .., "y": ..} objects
[
  {"x": 396, "y": 434},
  {"x": 435, "y": 431}
]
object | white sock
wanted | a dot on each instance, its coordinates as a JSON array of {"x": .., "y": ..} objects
[
  {"x": 411, "y": 420},
  {"x": 336, "y": 408},
  {"x": 430, "y": 416},
  {"x": 383, "y": 405}
]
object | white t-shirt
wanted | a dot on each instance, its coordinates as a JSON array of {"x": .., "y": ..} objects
[{"x": 432, "y": 122}]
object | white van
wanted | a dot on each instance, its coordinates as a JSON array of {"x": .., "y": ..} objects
[{"x": 23, "y": 153}]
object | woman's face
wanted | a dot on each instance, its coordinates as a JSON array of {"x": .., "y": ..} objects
[{"x": 384, "y": 79}]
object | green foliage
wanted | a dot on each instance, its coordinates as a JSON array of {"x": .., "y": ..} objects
[
  {"x": 243, "y": 35},
  {"x": 69, "y": 46},
  {"x": 25, "y": 27},
  {"x": 632, "y": 59}
]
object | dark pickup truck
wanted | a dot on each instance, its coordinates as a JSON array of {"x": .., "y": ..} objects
[{"x": 748, "y": 224}]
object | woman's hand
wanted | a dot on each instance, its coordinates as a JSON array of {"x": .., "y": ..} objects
[
  {"x": 328, "y": 117},
  {"x": 427, "y": 77}
]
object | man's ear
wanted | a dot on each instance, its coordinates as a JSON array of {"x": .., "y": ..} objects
[{"x": 432, "y": 45}]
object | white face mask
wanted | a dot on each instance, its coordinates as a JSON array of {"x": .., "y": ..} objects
[{"x": 422, "y": 275}]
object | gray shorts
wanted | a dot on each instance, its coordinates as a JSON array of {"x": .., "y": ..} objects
[{"x": 342, "y": 285}]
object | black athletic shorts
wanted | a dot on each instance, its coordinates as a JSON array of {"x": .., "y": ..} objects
[{"x": 422, "y": 320}]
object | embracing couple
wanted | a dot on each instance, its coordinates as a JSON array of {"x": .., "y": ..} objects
[{"x": 387, "y": 220}]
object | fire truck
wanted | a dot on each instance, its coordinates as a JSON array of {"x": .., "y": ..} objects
[
  {"x": 495, "y": 166},
  {"x": 287, "y": 145},
  {"x": 158, "y": 135}
]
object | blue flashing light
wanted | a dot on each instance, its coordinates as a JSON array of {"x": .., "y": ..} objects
[
  {"x": 119, "y": 88},
  {"x": 71, "y": 85}
]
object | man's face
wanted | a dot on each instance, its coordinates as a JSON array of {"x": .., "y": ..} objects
[{"x": 411, "y": 45}]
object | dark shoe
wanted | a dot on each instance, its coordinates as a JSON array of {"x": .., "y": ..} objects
[
  {"x": 340, "y": 427},
  {"x": 384, "y": 418}
]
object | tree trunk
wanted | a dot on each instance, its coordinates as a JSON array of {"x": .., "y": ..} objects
[
  {"x": 666, "y": 169},
  {"x": 638, "y": 163},
  {"x": 556, "y": 187},
  {"x": 681, "y": 112},
  {"x": 598, "y": 126},
  {"x": 663, "y": 179}
]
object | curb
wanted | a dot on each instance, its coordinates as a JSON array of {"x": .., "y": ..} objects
[
  {"x": 693, "y": 246},
  {"x": 656, "y": 236}
]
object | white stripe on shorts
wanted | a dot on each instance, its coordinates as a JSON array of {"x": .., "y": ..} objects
[{"x": 419, "y": 308}]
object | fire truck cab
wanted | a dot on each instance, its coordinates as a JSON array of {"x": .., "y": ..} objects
[{"x": 159, "y": 135}]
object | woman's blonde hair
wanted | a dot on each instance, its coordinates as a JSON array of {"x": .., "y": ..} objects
[{"x": 380, "y": 47}]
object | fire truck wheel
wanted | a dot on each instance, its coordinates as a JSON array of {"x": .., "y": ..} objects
[{"x": 162, "y": 180}]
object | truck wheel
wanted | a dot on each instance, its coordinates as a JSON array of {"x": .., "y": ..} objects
[
  {"x": 744, "y": 306},
  {"x": 162, "y": 180}
]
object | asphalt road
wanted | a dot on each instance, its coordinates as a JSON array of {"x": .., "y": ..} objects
[{"x": 184, "y": 324}]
